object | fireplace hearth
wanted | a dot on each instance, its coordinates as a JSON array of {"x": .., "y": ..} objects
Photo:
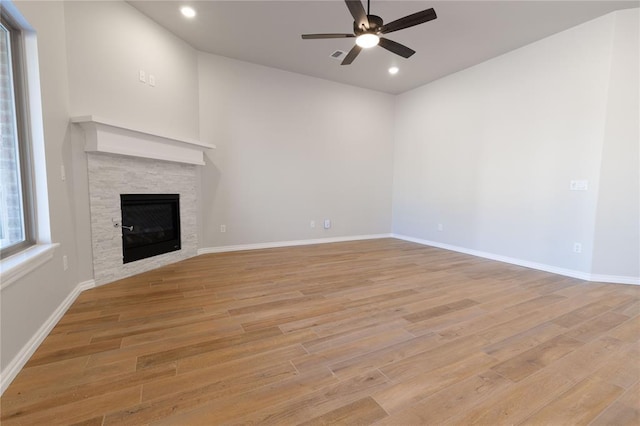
[{"x": 150, "y": 225}]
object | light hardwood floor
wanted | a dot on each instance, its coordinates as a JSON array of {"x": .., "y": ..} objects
[{"x": 373, "y": 332}]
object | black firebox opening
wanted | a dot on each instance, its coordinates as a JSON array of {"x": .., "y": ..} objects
[{"x": 150, "y": 225}]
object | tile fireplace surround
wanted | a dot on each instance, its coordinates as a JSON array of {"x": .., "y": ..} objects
[{"x": 113, "y": 171}]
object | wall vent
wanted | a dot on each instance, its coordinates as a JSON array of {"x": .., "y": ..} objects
[{"x": 337, "y": 54}]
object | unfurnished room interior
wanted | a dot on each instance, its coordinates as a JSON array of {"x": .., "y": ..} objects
[{"x": 320, "y": 212}]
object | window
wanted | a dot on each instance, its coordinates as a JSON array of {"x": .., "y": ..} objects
[
  {"x": 25, "y": 229},
  {"x": 16, "y": 205}
]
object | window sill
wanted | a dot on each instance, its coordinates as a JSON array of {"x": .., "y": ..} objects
[{"x": 15, "y": 267}]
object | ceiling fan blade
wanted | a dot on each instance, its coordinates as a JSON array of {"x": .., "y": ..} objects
[
  {"x": 358, "y": 13},
  {"x": 314, "y": 36},
  {"x": 351, "y": 55},
  {"x": 397, "y": 48},
  {"x": 409, "y": 21}
]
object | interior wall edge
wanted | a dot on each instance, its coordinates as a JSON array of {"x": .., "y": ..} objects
[{"x": 586, "y": 276}]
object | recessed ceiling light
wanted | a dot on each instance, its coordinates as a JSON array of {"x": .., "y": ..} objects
[
  {"x": 187, "y": 11},
  {"x": 393, "y": 70}
]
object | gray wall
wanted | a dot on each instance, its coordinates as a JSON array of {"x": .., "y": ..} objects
[
  {"x": 108, "y": 43},
  {"x": 27, "y": 303},
  {"x": 291, "y": 149},
  {"x": 617, "y": 233},
  {"x": 489, "y": 153}
]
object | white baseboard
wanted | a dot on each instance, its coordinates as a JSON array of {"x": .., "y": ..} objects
[
  {"x": 13, "y": 368},
  {"x": 527, "y": 264},
  {"x": 614, "y": 279},
  {"x": 257, "y": 246}
]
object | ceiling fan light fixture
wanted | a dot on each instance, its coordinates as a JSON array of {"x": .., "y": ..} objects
[
  {"x": 368, "y": 28},
  {"x": 367, "y": 40}
]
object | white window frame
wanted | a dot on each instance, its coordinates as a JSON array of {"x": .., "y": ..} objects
[
  {"x": 19, "y": 264},
  {"x": 23, "y": 139}
]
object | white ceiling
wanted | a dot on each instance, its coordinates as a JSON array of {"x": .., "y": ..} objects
[{"x": 464, "y": 34}]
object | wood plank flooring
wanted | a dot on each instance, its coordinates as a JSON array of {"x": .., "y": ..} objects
[{"x": 381, "y": 332}]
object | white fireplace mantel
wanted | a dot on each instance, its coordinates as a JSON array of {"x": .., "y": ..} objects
[{"x": 108, "y": 137}]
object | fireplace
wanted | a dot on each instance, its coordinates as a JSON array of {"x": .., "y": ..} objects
[
  {"x": 125, "y": 160},
  {"x": 150, "y": 225}
]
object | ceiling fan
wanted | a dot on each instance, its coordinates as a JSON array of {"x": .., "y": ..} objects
[{"x": 367, "y": 30}]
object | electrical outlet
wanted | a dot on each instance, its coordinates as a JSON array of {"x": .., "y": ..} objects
[
  {"x": 327, "y": 223},
  {"x": 223, "y": 228},
  {"x": 152, "y": 80},
  {"x": 63, "y": 172},
  {"x": 312, "y": 224},
  {"x": 142, "y": 76},
  {"x": 577, "y": 248},
  {"x": 65, "y": 262}
]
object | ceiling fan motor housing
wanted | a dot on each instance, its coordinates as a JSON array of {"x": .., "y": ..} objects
[
  {"x": 368, "y": 30},
  {"x": 375, "y": 23}
]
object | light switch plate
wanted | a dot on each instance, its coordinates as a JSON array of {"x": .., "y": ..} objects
[{"x": 579, "y": 185}]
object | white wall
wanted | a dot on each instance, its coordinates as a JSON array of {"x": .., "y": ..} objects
[
  {"x": 108, "y": 43},
  {"x": 28, "y": 302},
  {"x": 291, "y": 149},
  {"x": 488, "y": 152},
  {"x": 617, "y": 233}
]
